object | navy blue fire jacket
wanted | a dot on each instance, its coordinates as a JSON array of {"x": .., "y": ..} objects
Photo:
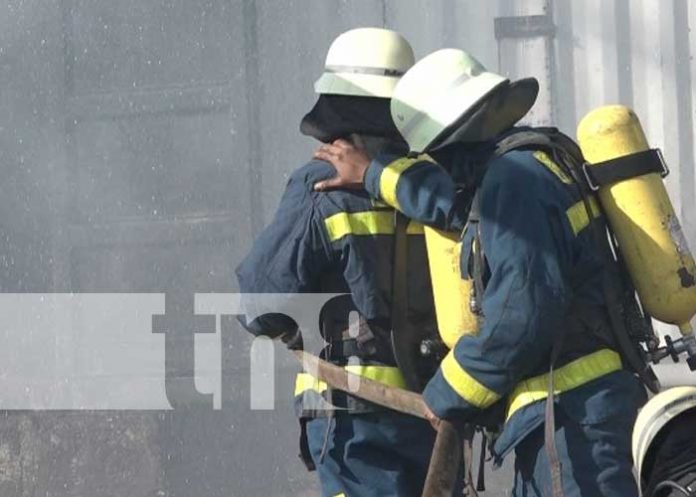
[
  {"x": 541, "y": 257},
  {"x": 338, "y": 241}
]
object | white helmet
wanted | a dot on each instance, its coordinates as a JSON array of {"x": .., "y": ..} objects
[
  {"x": 365, "y": 62},
  {"x": 443, "y": 87},
  {"x": 659, "y": 411}
]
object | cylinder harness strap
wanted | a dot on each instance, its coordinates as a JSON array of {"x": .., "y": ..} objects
[
  {"x": 550, "y": 423},
  {"x": 623, "y": 168}
]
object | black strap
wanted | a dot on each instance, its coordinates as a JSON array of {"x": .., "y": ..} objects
[
  {"x": 478, "y": 272},
  {"x": 626, "y": 167},
  {"x": 305, "y": 454},
  {"x": 468, "y": 458},
  {"x": 550, "y": 422},
  {"x": 544, "y": 138},
  {"x": 477, "y": 256},
  {"x": 344, "y": 349},
  {"x": 630, "y": 351},
  {"x": 480, "y": 482}
]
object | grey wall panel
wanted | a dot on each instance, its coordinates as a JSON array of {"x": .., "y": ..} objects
[{"x": 131, "y": 44}]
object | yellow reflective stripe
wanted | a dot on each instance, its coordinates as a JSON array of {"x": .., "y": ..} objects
[
  {"x": 552, "y": 166},
  {"x": 365, "y": 223},
  {"x": 359, "y": 223},
  {"x": 305, "y": 381},
  {"x": 568, "y": 377},
  {"x": 466, "y": 385},
  {"x": 577, "y": 214},
  {"x": 390, "y": 177},
  {"x": 340, "y": 495},
  {"x": 387, "y": 375}
]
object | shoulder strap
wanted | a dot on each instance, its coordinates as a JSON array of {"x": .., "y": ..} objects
[
  {"x": 478, "y": 257},
  {"x": 404, "y": 337}
]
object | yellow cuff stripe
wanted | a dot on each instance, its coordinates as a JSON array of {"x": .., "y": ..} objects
[
  {"x": 466, "y": 385},
  {"x": 577, "y": 215},
  {"x": 367, "y": 223},
  {"x": 390, "y": 177},
  {"x": 572, "y": 375}
]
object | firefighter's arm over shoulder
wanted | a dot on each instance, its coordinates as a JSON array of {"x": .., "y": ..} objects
[
  {"x": 286, "y": 258},
  {"x": 529, "y": 253},
  {"x": 421, "y": 189}
]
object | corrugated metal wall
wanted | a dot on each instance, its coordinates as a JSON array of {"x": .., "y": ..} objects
[
  {"x": 144, "y": 141},
  {"x": 637, "y": 53}
]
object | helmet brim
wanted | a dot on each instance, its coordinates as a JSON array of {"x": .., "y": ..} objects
[{"x": 498, "y": 111}]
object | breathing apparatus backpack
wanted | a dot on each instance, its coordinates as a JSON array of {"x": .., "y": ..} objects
[{"x": 652, "y": 271}]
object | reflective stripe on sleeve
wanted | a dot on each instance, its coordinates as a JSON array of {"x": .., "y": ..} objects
[
  {"x": 390, "y": 177},
  {"x": 572, "y": 375},
  {"x": 366, "y": 223},
  {"x": 466, "y": 386}
]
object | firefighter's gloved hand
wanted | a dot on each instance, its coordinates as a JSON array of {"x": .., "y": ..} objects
[
  {"x": 293, "y": 339},
  {"x": 350, "y": 162}
]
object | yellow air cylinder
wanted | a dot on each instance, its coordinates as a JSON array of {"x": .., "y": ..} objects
[
  {"x": 451, "y": 293},
  {"x": 642, "y": 218}
]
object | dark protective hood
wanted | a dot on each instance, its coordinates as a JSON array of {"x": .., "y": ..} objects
[
  {"x": 496, "y": 113},
  {"x": 338, "y": 116}
]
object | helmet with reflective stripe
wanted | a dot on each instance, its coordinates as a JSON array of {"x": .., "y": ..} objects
[
  {"x": 659, "y": 411},
  {"x": 365, "y": 62},
  {"x": 441, "y": 90}
]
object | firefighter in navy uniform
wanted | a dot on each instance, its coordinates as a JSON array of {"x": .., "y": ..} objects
[
  {"x": 342, "y": 242},
  {"x": 664, "y": 444},
  {"x": 527, "y": 243}
]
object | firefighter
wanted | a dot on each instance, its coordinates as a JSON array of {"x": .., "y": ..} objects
[
  {"x": 537, "y": 276},
  {"x": 664, "y": 444},
  {"x": 342, "y": 242}
]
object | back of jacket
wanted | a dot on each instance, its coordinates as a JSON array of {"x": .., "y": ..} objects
[{"x": 339, "y": 242}]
